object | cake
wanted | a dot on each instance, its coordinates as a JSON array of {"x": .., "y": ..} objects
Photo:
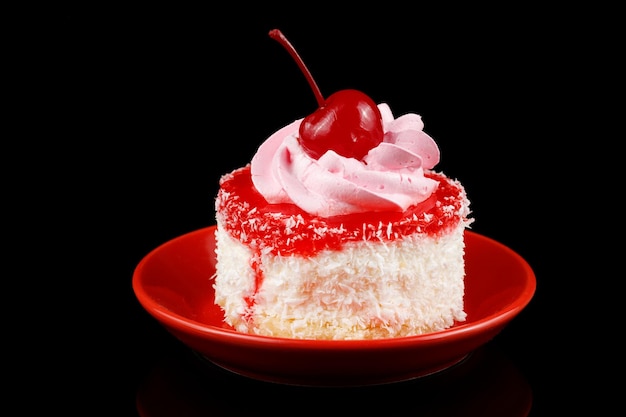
[{"x": 360, "y": 240}]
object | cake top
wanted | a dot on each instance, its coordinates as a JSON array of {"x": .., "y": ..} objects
[
  {"x": 390, "y": 177},
  {"x": 349, "y": 156},
  {"x": 348, "y": 171},
  {"x": 286, "y": 229}
]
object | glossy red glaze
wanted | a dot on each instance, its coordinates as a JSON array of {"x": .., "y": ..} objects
[
  {"x": 173, "y": 283},
  {"x": 249, "y": 218}
]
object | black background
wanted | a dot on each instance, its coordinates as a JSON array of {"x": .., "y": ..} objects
[{"x": 142, "y": 110}]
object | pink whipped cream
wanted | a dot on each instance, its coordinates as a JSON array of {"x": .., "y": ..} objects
[{"x": 389, "y": 178}]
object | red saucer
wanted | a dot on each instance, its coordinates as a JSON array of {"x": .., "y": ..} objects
[{"x": 173, "y": 283}]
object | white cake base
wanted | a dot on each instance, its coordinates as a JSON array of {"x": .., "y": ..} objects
[{"x": 368, "y": 290}]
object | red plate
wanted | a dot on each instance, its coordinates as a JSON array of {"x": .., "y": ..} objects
[{"x": 173, "y": 283}]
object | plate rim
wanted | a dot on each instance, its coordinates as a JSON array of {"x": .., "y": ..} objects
[{"x": 458, "y": 331}]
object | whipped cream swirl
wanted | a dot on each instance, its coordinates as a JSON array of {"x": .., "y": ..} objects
[{"x": 389, "y": 178}]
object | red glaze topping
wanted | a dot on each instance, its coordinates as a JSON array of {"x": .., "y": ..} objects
[{"x": 286, "y": 229}]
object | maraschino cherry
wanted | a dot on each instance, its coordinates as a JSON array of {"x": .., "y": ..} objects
[{"x": 347, "y": 122}]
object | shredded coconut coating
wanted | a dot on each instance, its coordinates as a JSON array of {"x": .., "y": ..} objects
[
  {"x": 368, "y": 290},
  {"x": 282, "y": 272}
]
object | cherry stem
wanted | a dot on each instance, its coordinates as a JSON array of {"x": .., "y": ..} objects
[{"x": 277, "y": 35}]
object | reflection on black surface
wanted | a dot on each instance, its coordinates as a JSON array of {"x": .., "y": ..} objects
[{"x": 486, "y": 384}]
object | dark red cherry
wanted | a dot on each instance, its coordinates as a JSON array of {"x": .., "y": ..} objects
[{"x": 348, "y": 122}]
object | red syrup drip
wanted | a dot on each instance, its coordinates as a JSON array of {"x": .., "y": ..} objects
[
  {"x": 284, "y": 229},
  {"x": 255, "y": 264}
]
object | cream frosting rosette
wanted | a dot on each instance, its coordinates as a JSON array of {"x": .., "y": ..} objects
[{"x": 389, "y": 178}]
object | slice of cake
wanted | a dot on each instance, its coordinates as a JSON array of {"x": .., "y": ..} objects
[{"x": 339, "y": 228}]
